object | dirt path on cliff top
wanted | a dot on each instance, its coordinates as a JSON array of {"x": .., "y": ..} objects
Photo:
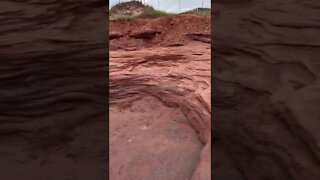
[{"x": 160, "y": 99}]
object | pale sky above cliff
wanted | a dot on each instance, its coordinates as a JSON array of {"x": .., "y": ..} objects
[{"x": 172, "y": 5}]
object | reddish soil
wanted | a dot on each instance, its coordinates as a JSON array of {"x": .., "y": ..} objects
[
  {"x": 160, "y": 107},
  {"x": 168, "y": 31}
]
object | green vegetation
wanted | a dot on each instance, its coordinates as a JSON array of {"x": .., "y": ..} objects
[
  {"x": 200, "y": 12},
  {"x": 121, "y": 17},
  {"x": 150, "y": 12},
  {"x": 137, "y": 12},
  {"x": 135, "y": 9}
]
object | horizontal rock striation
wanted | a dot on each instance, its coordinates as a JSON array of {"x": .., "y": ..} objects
[
  {"x": 53, "y": 120},
  {"x": 180, "y": 78},
  {"x": 266, "y": 90},
  {"x": 175, "y": 82}
]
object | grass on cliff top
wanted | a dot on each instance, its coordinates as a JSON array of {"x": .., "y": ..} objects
[
  {"x": 140, "y": 10},
  {"x": 148, "y": 12},
  {"x": 199, "y": 12}
]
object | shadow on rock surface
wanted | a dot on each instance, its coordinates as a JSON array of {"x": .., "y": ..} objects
[
  {"x": 266, "y": 89},
  {"x": 53, "y": 122}
]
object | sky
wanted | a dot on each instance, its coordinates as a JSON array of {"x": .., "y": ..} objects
[{"x": 172, "y": 5}]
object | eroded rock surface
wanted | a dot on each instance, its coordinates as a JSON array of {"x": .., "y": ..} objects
[
  {"x": 168, "y": 31},
  {"x": 53, "y": 119},
  {"x": 266, "y": 89},
  {"x": 160, "y": 106}
]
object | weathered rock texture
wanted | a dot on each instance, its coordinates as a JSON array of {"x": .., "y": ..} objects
[
  {"x": 53, "y": 74},
  {"x": 266, "y": 90},
  {"x": 169, "y": 31},
  {"x": 160, "y": 105}
]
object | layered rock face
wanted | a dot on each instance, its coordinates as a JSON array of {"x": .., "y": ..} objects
[
  {"x": 169, "y": 31},
  {"x": 160, "y": 105},
  {"x": 53, "y": 118},
  {"x": 266, "y": 90}
]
